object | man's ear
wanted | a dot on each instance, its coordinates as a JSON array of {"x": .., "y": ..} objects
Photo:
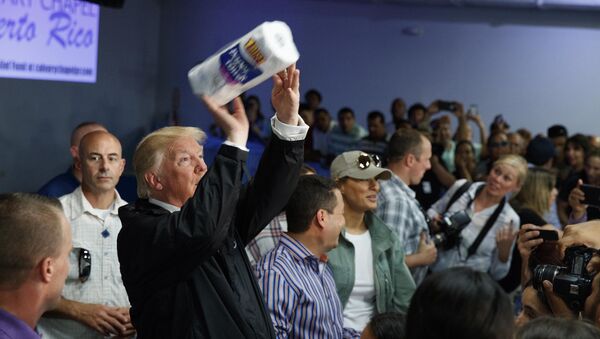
[
  {"x": 153, "y": 181},
  {"x": 321, "y": 217},
  {"x": 409, "y": 160},
  {"x": 74, "y": 151},
  {"x": 46, "y": 269}
]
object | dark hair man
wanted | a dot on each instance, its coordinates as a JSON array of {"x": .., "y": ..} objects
[{"x": 296, "y": 282}]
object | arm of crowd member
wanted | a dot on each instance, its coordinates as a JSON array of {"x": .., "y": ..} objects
[
  {"x": 426, "y": 253},
  {"x": 106, "y": 320},
  {"x": 586, "y": 234},
  {"x": 502, "y": 253},
  {"x": 526, "y": 243},
  {"x": 461, "y": 128},
  {"x": 280, "y": 299},
  {"x": 505, "y": 239},
  {"x": 476, "y": 118},
  {"x": 578, "y": 209},
  {"x": 446, "y": 178}
]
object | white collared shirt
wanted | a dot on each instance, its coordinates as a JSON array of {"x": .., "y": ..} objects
[{"x": 104, "y": 285}]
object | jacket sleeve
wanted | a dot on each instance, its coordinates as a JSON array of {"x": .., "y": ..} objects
[
  {"x": 404, "y": 285},
  {"x": 268, "y": 192},
  {"x": 201, "y": 225}
]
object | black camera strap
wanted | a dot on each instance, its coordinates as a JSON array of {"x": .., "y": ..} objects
[
  {"x": 459, "y": 192},
  {"x": 489, "y": 223}
]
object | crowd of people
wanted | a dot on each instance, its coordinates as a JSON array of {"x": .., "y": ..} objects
[{"x": 418, "y": 232}]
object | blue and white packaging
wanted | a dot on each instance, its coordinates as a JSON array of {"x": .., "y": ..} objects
[{"x": 245, "y": 63}]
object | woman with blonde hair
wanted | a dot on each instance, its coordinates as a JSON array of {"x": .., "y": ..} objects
[
  {"x": 531, "y": 203},
  {"x": 485, "y": 243}
]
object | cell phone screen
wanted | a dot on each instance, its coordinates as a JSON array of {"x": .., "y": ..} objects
[{"x": 592, "y": 195}]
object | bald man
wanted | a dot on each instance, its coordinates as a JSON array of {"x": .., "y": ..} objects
[
  {"x": 68, "y": 181},
  {"x": 94, "y": 302}
]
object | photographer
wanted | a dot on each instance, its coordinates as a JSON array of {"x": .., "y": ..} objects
[
  {"x": 485, "y": 243},
  {"x": 579, "y": 245},
  {"x": 590, "y": 175}
]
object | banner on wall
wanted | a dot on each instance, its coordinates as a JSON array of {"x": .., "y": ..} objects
[{"x": 49, "y": 40}]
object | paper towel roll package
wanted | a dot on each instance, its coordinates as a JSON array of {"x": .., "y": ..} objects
[{"x": 245, "y": 63}]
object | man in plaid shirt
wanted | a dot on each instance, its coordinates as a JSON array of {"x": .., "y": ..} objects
[{"x": 408, "y": 159}]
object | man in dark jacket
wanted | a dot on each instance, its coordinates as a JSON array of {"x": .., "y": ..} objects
[{"x": 181, "y": 247}]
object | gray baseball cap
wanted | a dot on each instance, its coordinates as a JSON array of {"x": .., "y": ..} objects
[{"x": 357, "y": 165}]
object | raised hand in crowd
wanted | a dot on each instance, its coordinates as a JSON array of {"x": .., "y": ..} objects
[
  {"x": 504, "y": 240},
  {"x": 576, "y": 197}
]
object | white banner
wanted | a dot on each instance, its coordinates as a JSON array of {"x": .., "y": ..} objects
[{"x": 49, "y": 40}]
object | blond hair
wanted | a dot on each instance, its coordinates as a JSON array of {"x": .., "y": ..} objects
[
  {"x": 150, "y": 152},
  {"x": 518, "y": 163},
  {"x": 536, "y": 191}
]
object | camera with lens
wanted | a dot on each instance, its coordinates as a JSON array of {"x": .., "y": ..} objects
[
  {"x": 572, "y": 282},
  {"x": 451, "y": 226}
]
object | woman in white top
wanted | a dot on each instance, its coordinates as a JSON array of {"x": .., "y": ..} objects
[
  {"x": 368, "y": 264},
  {"x": 486, "y": 203}
]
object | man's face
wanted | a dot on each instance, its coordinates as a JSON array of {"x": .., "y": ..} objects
[
  {"x": 516, "y": 144},
  {"x": 346, "y": 121},
  {"x": 308, "y": 115},
  {"x": 498, "y": 146},
  {"x": 182, "y": 168},
  {"x": 323, "y": 121},
  {"x": 61, "y": 264},
  {"x": 398, "y": 110},
  {"x": 79, "y": 134},
  {"x": 313, "y": 101},
  {"x": 418, "y": 116},
  {"x": 376, "y": 129},
  {"x": 335, "y": 222},
  {"x": 101, "y": 162},
  {"x": 422, "y": 163},
  {"x": 592, "y": 169},
  {"x": 444, "y": 132},
  {"x": 575, "y": 155},
  {"x": 559, "y": 146}
]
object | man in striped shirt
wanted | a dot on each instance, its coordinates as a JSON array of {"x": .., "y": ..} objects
[{"x": 297, "y": 284}]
